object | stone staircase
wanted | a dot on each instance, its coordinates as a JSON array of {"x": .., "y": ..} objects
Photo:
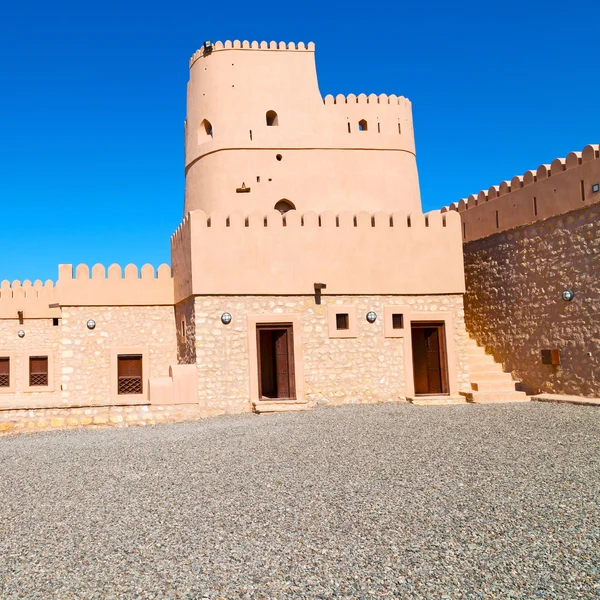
[
  {"x": 275, "y": 406},
  {"x": 489, "y": 383}
]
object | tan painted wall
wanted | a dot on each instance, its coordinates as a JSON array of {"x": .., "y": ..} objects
[
  {"x": 31, "y": 298},
  {"x": 368, "y": 368},
  {"x": 323, "y": 166},
  {"x": 365, "y": 254},
  {"x": 557, "y": 189},
  {"x": 513, "y": 303}
]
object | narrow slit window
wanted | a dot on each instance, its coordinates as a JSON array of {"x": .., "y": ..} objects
[
  {"x": 183, "y": 329},
  {"x": 38, "y": 370},
  {"x": 497, "y": 221},
  {"x": 534, "y": 206},
  {"x": 378, "y": 127},
  {"x": 349, "y": 131},
  {"x": 342, "y": 321},
  {"x": 397, "y": 321},
  {"x": 582, "y": 191},
  {"x": 399, "y": 128},
  {"x": 464, "y": 231},
  {"x": 129, "y": 373},
  {"x": 4, "y": 371}
]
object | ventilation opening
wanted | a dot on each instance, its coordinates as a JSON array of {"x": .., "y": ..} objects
[
  {"x": 398, "y": 321},
  {"x": 278, "y": 157},
  {"x": 284, "y": 206},
  {"x": 363, "y": 125},
  {"x": 342, "y": 321},
  {"x": 272, "y": 118}
]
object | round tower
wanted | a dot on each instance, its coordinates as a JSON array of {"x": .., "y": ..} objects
[{"x": 258, "y": 135}]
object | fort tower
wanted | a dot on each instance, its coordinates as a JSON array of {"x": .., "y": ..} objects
[{"x": 258, "y": 133}]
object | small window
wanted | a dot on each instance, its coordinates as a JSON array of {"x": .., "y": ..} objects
[
  {"x": 399, "y": 129},
  {"x": 206, "y": 130},
  {"x": 55, "y": 322},
  {"x": 272, "y": 119},
  {"x": 397, "y": 321},
  {"x": 342, "y": 321},
  {"x": 349, "y": 130},
  {"x": 4, "y": 371},
  {"x": 38, "y": 371},
  {"x": 129, "y": 373},
  {"x": 362, "y": 125},
  {"x": 284, "y": 206},
  {"x": 183, "y": 329}
]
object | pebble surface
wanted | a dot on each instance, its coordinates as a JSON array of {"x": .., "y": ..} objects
[{"x": 378, "y": 501}]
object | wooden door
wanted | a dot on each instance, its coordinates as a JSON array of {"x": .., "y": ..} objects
[
  {"x": 430, "y": 364},
  {"x": 276, "y": 373}
]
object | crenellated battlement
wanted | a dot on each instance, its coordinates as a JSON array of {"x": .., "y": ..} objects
[
  {"x": 561, "y": 186},
  {"x": 31, "y": 299},
  {"x": 246, "y": 45},
  {"x": 364, "y": 99},
  {"x": 352, "y": 253}
]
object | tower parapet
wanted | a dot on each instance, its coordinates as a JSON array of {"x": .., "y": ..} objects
[{"x": 259, "y": 132}]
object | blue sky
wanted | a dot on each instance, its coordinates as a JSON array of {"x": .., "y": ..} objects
[{"x": 92, "y": 104}]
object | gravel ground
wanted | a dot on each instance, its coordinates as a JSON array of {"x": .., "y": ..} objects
[{"x": 385, "y": 501}]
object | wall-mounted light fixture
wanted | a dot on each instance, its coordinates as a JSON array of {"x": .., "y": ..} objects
[
  {"x": 595, "y": 188},
  {"x": 208, "y": 46},
  {"x": 21, "y": 333},
  {"x": 568, "y": 295},
  {"x": 91, "y": 324},
  {"x": 226, "y": 318},
  {"x": 371, "y": 316}
]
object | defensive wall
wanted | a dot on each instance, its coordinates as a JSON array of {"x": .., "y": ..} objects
[
  {"x": 276, "y": 254},
  {"x": 258, "y": 131},
  {"x": 525, "y": 242}
]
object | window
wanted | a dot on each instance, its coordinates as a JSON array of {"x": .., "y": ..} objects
[
  {"x": 397, "y": 321},
  {"x": 38, "y": 371},
  {"x": 129, "y": 367},
  {"x": 342, "y": 321},
  {"x": 362, "y": 125},
  {"x": 4, "y": 371},
  {"x": 183, "y": 330},
  {"x": 284, "y": 206},
  {"x": 55, "y": 322},
  {"x": 206, "y": 131},
  {"x": 272, "y": 119}
]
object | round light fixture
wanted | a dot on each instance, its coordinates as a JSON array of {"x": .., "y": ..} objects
[
  {"x": 21, "y": 333},
  {"x": 226, "y": 318},
  {"x": 371, "y": 316},
  {"x": 91, "y": 324},
  {"x": 568, "y": 295}
]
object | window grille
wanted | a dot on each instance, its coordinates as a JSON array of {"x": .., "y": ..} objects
[
  {"x": 38, "y": 370},
  {"x": 342, "y": 321},
  {"x": 130, "y": 373},
  {"x": 4, "y": 372}
]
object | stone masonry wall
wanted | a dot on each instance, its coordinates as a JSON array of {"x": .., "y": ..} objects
[
  {"x": 40, "y": 336},
  {"x": 86, "y": 354},
  {"x": 186, "y": 350},
  {"x": 514, "y": 304},
  {"x": 369, "y": 368}
]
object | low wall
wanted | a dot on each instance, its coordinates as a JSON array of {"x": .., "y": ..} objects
[
  {"x": 351, "y": 254},
  {"x": 514, "y": 304}
]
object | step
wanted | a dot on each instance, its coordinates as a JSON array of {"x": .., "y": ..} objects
[
  {"x": 275, "y": 406},
  {"x": 490, "y": 367},
  {"x": 436, "y": 400},
  {"x": 496, "y": 375},
  {"x": 494, "y": 386},
  {"x": 483, "y": 359},
  {"x": 495, "y": 397}
]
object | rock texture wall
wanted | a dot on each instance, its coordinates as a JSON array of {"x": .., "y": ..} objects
[
  {"x": 514, "y": 306},
  {"x": 368, "y": 368}
]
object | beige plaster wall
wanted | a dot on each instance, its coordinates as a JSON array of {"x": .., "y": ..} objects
[
  {"x": 86, "y": 354},
  {"x": 327, "y": 162},
  {"x": 352, "y": 254},
  {"x": 564, "y": 185},
  {"x": 514, "y": 306},
  {"x": 41, "y": 337},
  {"x": 368, "y": 368}
]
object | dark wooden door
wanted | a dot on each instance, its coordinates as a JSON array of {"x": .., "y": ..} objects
[
  {"x": 276, "y": 373},
  {"x": 430, "y": 363}
]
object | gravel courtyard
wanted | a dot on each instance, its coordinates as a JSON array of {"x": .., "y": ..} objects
[{"x": 384, "y": 501}]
